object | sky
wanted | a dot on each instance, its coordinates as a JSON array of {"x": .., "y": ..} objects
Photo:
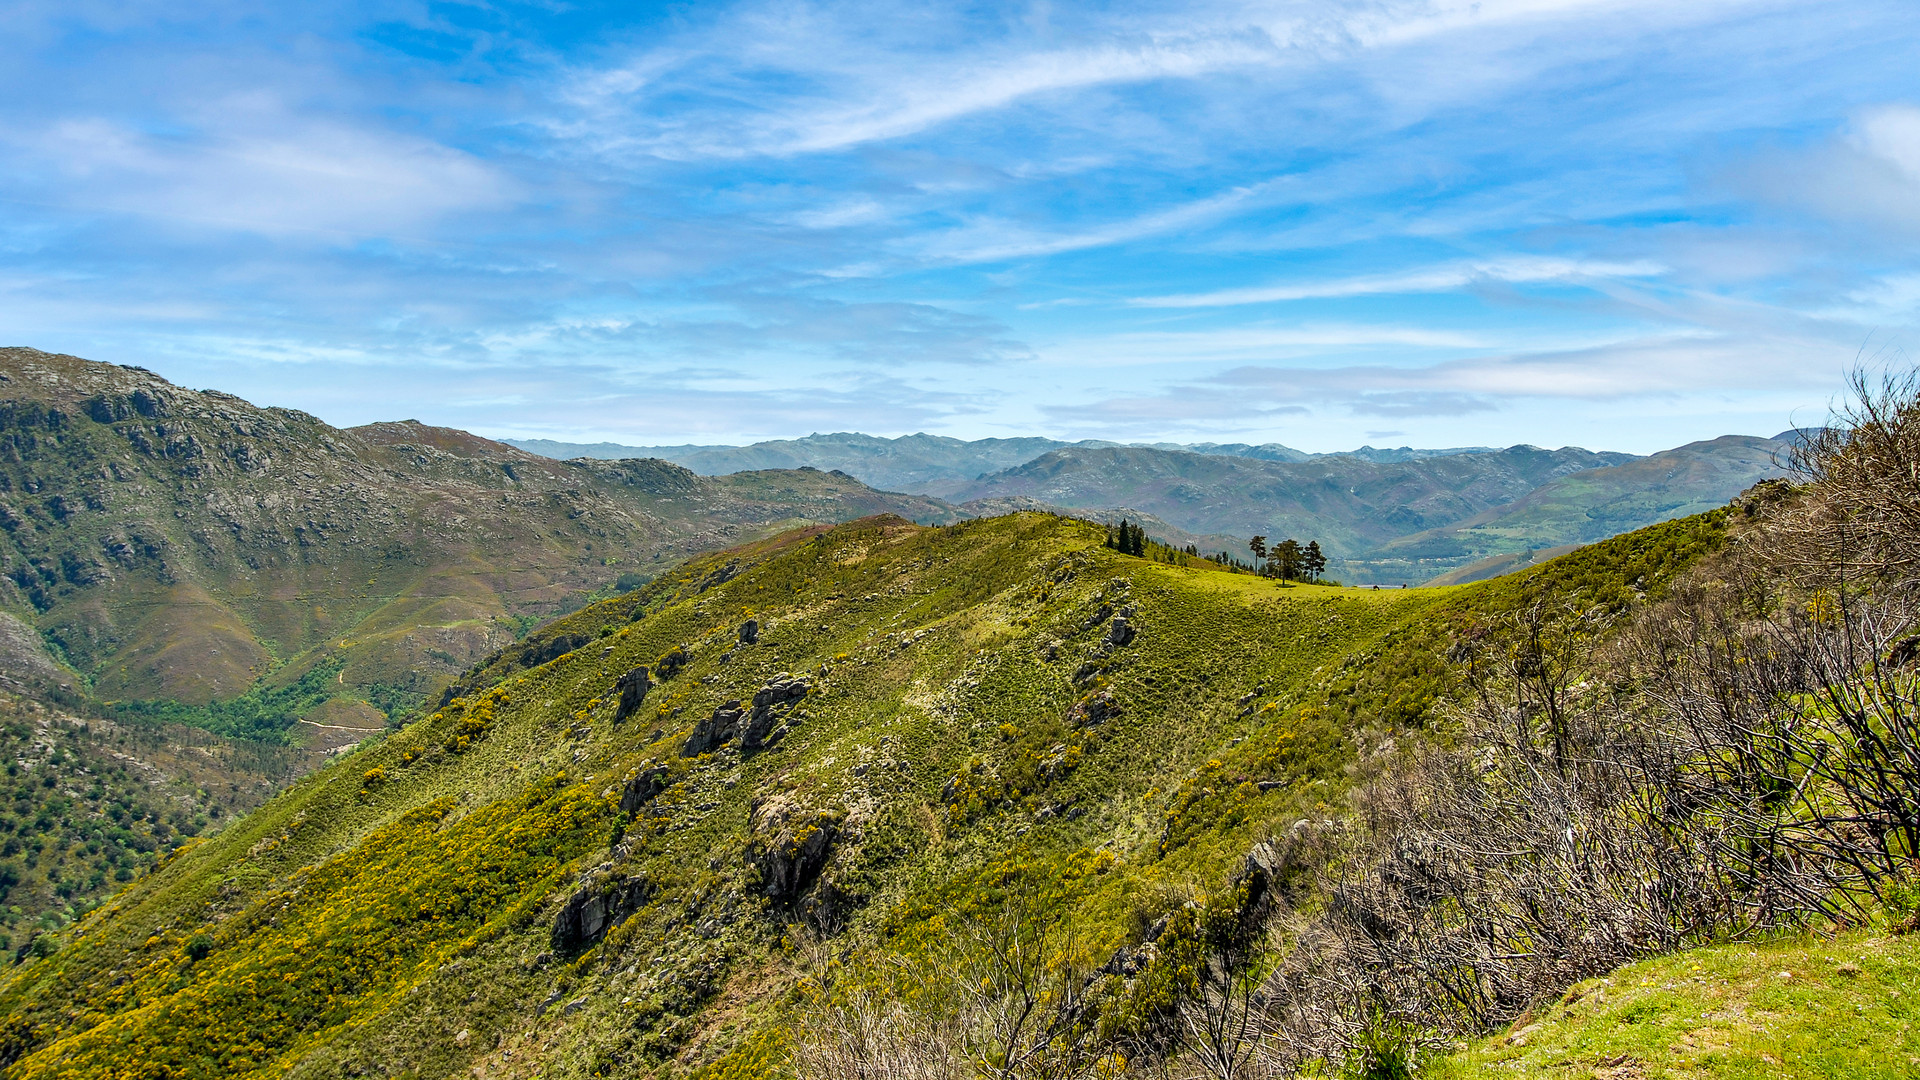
[{"x": 1610, "y": 223}]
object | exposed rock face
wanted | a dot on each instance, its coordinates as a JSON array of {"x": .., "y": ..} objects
[
  {"x": 750, "y": 632},
  {"x": 633, "y": 687},
  {"x": 670, "y": 664},
  {"x": 1093, "y": 710},
  {"x": 1122, "y": 632},
  {"x": 644, "y": 786},
  {"x": 715, "y": 731},
  {"x": 22, "y": 655},
  {"x": 601, "y": 901},
  {"x": 160, "y": 536},
  {"x": 790, "y": 845},
  {"x": 536, "y": 653},
  {"x": 755, "y": 726}
]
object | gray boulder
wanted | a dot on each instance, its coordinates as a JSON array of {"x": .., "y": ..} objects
[
  {"x": 644, "y": 786},
  {"x": 601, "y": 901},
  {"x": 790, "y": 845},
  {"x": 633, "y": 687},
  {"x": 715, "y": 731}
]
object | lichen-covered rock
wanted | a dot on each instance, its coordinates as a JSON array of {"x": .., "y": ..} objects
[
  {"x": 633, "y": 687},
  {"x": 715, "y": 731},
  {"x": 641, "y": 788},
  {"x": 671, "y": 662},
  {"x": 1093, "y": 709},
  {"x": 755, "y": 725},
  {"x": 601, "y": 900},
  {"x": 790, "y": 845}
]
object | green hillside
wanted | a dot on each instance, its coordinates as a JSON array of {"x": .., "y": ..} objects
[
  {"x": 182, "y": 546},
  {"x": 933, "y": 725}
]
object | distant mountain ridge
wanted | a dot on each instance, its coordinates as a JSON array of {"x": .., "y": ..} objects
[
  {"x": 1387, "y": 516},
  {"x": 926, "y": 464}
]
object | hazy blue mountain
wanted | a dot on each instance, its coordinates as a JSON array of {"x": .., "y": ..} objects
[
  {"x": 1350, "y": 504},
  {"x": 927, "y": 464}
]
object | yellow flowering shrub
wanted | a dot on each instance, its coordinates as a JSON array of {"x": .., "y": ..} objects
[{"x": 340, "y": 943}]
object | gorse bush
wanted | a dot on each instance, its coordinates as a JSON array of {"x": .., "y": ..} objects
[{"x": 359, "y": 928}]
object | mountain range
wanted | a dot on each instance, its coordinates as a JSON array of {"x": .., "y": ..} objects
[
  {"x": 1392, "y": 517},
  {"x": 922, "y": 463},
  {"x": 615, "y": 769},
  {"x": 668, "y": 833}
]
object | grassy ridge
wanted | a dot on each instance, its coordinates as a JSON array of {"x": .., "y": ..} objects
[{"x": 398, "y": 905}]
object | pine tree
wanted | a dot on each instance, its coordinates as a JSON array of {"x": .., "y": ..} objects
[
  {"x": 1284, "y": 559},
  {"x": 1314, "y": 561},
  {"x": 1258, "y": 545}
]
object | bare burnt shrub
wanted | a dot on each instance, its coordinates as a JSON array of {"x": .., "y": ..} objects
[
  {"x": 1009, "y": 997},
  {"x": 1857, "y": 517},
  {"x": 1797, "y": 735},
  {"x": 1536, "y": 850},
  {"x": 1744, "y": 754}
]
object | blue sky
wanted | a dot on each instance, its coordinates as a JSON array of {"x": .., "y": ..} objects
[{"x": 1616, "y": 224}]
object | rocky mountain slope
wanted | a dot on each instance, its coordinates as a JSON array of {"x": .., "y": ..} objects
[
  {"x": 637, "y": 842},
  {"x": 185, "y": 545}
]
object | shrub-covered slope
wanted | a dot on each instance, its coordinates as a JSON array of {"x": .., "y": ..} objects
[
  {"x": 87, "y": 805},
  {"x": 608, "y": 852}
]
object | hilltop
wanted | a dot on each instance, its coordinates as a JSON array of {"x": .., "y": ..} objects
[{"x": 655, "y": 816}]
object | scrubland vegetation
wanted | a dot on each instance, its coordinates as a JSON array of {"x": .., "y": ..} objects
[{"x": 997, "y": 799}]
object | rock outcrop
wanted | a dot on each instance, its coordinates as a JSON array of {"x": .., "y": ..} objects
[
  {"x": 633, "y": 687},
  {"x": 754, "y": 726},
  {"x": 671, "y": 662},
  {"x": 601, "y": 900},
  {"x": 1093, "y": 709},
  {"x": 790, "y": 845},
  {"x": 641, "y": 788}
]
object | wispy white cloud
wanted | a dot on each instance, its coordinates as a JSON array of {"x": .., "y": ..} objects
[
  {"x": 995, "y": 241},
  {"x": 1039, "y": 213},
  {"x": 1513, "y": 271},
  {"x": 1241, "y": 344},
  {"x": 261, "y": 170}
]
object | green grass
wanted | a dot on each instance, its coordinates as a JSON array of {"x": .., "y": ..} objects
[
  {"x": 1842, "y": 1008},
  {"x": 265, "y": 713}
]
